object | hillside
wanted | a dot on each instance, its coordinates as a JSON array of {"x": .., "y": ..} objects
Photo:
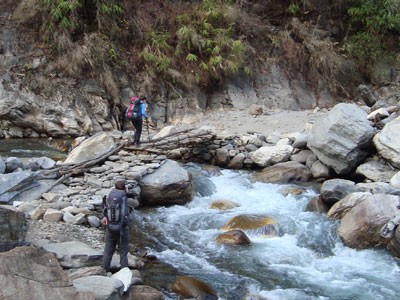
[{"x": 69, "y": 67}]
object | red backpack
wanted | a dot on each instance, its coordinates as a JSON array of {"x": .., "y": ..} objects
[{"x": 133, "y": 111}]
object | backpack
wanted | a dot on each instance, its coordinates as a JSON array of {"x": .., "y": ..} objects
[
  {"x": 115, "y": 211},
  {"x": 133, "y": 111}
]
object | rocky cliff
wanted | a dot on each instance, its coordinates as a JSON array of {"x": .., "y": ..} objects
[{"x": 76, "y": 82}]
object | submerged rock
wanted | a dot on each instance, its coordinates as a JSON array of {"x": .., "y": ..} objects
[
  {"x": 191, "y": 287},
  {"x": 258, "y": 224},
  {"x": 233, "y": 237}
]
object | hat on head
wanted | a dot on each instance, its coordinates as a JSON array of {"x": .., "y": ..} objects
[{"x": 134, "y": 98}]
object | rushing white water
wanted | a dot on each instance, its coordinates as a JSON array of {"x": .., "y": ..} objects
[{"x": 306, "y": 261}]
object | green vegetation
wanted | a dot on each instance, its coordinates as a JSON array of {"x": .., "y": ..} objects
[
  {"x": 71, "y": 18},
  {"x": 375, "y": 24},
  {"x": 205, "y": 47},
  {"x": 293, "y": 8}
]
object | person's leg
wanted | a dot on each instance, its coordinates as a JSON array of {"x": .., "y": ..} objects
[
  {"x": 134, "y": 124},
  {"x": 138, "y": 130},
  {"x": 124, "y": 247},
  {"x": 109, "y": 248}
]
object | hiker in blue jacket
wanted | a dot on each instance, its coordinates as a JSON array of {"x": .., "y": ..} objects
[{"x": 137, "y": 122}]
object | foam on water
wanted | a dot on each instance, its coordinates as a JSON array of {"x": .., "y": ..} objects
[{"x": 307, "y": 261}]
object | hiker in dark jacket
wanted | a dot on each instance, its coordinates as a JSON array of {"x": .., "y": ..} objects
[
  {"x": 138, "y": 122},
  {"x": 121, "y": 235}
]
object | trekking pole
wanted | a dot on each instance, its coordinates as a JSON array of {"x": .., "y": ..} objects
[{"x": 148, "y": 131}]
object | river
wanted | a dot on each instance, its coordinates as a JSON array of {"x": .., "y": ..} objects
[{"x": 306, "y": 261}]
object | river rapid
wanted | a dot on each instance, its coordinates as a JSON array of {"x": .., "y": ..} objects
[{"x": 306, "y": 261}]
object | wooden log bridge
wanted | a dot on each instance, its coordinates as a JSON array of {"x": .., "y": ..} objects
[{"x": 186, "y": 138}]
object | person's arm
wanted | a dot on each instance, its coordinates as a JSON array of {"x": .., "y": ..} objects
[{"x": 143, "y": 110}]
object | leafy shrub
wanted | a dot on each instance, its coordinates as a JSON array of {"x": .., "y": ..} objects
[{"x": 374, "y": 23}]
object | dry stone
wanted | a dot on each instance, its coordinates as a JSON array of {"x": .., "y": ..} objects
[
  {"x": 387, "y": 142},
  {"x": 341, "y": 137},
  {"x": 28, "y": 273},
  {"x": 362, "y": 217},
  {"x": 91, "y": 148}
]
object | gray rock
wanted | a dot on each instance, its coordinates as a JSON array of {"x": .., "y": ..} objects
[
  {"x": 285, "y": 172},
  {"x": 334, "y": 190},
  {"x": 222, "y": 157},
  {"x": 301, "y": 156},
  {"x": 45, "y": 163},
  {"x": 340, "y": 138},
  {"x": 2, "y": 166},
  {"x": 266, "y": 156},
  {"x": 31, "y": 273},
  {"x": 91, "y": 148},
  {"x": 13, "y": 164},
  {"x": 377, "y": 188},
  {"x": 169, "y": 184},
  {"x": 13, "y": 228},
  {"x": 375, "y": 171},
  {"x": 395, "y": 180},
  {"x": 319, "y": 170},
  {"x": 75, "y": 254},
  {"x": 105, "y": 288},
  {"x": 13, "y": 184},
  {"x": 387, "y": 142}
]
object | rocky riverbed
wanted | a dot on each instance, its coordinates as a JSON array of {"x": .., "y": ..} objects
[{"x": 293, "y": 147}]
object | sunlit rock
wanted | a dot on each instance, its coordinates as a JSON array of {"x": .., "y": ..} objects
[
  {"x": 223, "y": 204},
  {"x": 257, "y": 224},
  {"x": 233, "y": 237}
]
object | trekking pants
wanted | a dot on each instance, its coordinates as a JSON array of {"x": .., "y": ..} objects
[
  {"x": 111, "y": 241},
  {"x": 138, "y": 124}
]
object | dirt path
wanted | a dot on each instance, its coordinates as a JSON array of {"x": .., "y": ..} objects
[{"x": 240, "y": 121}]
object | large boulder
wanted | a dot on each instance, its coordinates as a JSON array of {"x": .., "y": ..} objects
[
  {"x": 91, "y": 148},
  {"x": 362, "y": 215},
  {"x": 13, "y": 228},
  {"x": 30, "y": 273},
  {"x": 387, "y": 142},
  {"x": 169, "y": 184},
  {"x": 341, "y": 137}
]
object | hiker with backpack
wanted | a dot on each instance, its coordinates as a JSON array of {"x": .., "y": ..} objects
[
  {"x": 136, "y": 112},
  {"x": 116, "y": 219}
]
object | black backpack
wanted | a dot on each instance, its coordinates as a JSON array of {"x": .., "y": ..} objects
[{"x": 115, "y": 211}]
